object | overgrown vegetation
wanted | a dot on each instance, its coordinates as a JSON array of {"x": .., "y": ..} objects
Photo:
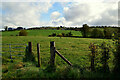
[
  {"x": 105, "y": 32},
  {"x": 85, "y": 30},
  {"x": 23, "y": 33},
  {"x": 117, "y": 57},
  {"x": 74, "y": 49},
  {"x": 69, "y": 34}
]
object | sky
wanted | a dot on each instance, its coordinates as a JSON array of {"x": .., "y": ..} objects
[{"x": 58, "y": 13}]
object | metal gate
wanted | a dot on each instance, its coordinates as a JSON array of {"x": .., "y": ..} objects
[{"x": 13, "y": 49}]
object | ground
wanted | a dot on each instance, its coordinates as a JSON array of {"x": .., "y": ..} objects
[{"x": 76, "y": 50}]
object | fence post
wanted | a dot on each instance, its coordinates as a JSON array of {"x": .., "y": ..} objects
[
  {"x": 38, "y": 52},
  {"x": 52, "y": 53},
  {"x": 30, "y": 47},
  {"x": 63, "y": 58},
  {"x": 10, "y": 53}
]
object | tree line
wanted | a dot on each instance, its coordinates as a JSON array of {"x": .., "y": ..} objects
[{"x": 106, "y": 32}]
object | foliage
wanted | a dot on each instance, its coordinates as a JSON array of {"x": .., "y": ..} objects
[
  {"x": 23, "y": 33},
  {"x": 63, "y": 34},
  {"x": 29, "y": 56},
  {"x": 108, "y": 32},
  {"x": 73, "y": 49},
  {"x": 93, "y": 49},
  {"x": 6, "y": 28},
  {"x": 69, "y": 34},
  {"x": 59, "y": 35},
  {"x": 105, "y": 50},
  {"x": 85, "y": 30},
  {"x": 117, "y": 57},
  {"x": 97, "y": 33}
]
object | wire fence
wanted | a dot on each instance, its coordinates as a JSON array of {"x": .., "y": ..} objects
[{"x": 13, "y": 48}]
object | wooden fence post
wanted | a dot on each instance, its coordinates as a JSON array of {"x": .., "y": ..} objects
[
  {"x": 63, "y": 58},
  {"x": 38, "y": 52},
  {"x": 52, "y": 53},
  {"x": 10, "y": 53},
  {"x": 30, "y": 47}
]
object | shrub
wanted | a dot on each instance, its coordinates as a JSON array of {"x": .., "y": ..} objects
[
  {"x": 59, "y": 35},
  {"x": 93, "y": 49},
  {"x": 108, "y": 33},
  {"x": 23, "y": 33},
  {"x": 29, "y": 56},
  {"x": 69, "y": 34},
  {"x": 54, "y": 34},
  {"x": 63, "y": 34},
  {"x": 96, "y": 33},
  {"x": 105, "y": 56},
  {"x": 117, "y": 57},
  {"x": 11, "y": 35}
]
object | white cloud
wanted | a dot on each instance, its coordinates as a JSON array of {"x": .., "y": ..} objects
[
  {"x": 59, "y": 0},
  {"x": 74, "y": 14},
  {"x": 24, "y": 14},
  {"x": 55, "y": 15},
  {"x": 91, "y": 13}
]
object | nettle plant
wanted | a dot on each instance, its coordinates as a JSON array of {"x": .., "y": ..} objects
[
  {"x": 99, "y": 56},
  {"x": 93, "y": 55},
  {"x": 105, "y": 56},
  {"x": 117, "y": 56}
]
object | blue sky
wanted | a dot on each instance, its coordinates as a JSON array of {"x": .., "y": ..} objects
[
  {"x": 28, "y": 14},
  {"x": 55, "y": 7}
]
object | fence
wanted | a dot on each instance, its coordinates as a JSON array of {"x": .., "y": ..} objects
[
  {"x": 10, "y": 48},
  {"x": 29, "y": 48},
  {"x": 53, "y": 52}
]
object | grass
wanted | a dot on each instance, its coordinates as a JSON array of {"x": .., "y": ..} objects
[
  {"x": 42, "y": 33},
  {"x": 76, "y": 50}
]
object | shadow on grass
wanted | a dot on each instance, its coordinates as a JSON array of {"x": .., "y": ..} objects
[{"x": 29, "y": 57}]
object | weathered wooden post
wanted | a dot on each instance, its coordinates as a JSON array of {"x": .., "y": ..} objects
[
  {"x": 63, "y": 58},
  {"x": 10, "y": 53},
  {"x": 38, "y": 52},
  {"x": 93, "y": 50},
  {"x": 52, "y": 53},
  {"x": 30, "y": 47},
  {"x": 92, "y": 61}
]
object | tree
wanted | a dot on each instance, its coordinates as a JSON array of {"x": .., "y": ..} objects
[
  {"x": 85, "y": 30},
  {"x": 108, "y": 32},
  {"x": 20, "y": 28},
  {"x": 70, "y": 34},
  {"x": 97, "y": 33},
  {"x": 6, "y": 28}
]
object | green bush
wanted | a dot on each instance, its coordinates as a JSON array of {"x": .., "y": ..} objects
[
  {"x": 59, "y": 35},
  {"x": 93, "y": 49},
  {"x": 63, "y": 34},
  {"x": 23, "y": 33},
  {"x": 117, "y": 57},
  {"x": 97, "y": 33},
  {"x": 105, "y": 56},
  {"x": 108, "y": 32}
]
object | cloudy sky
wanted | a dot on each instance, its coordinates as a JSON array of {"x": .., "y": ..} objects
[{"x": 30, "y": 14}]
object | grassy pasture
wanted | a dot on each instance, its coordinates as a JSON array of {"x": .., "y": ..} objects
[
  {"x": 43, "y": 33},
  {"x": 76, "y": 50}
]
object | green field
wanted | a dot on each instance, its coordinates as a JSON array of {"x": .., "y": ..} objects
[{"x": 76, "y": 50}]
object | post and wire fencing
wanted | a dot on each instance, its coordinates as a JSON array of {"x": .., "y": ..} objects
[
  {"x": 18, "y": 50},
  {"x": 13, "y": 49}
]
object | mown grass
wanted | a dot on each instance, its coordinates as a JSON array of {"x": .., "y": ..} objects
[{"x": 76, "y": 50}]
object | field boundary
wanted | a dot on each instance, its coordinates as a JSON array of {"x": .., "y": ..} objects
[{"x": 9, "y": 46}]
